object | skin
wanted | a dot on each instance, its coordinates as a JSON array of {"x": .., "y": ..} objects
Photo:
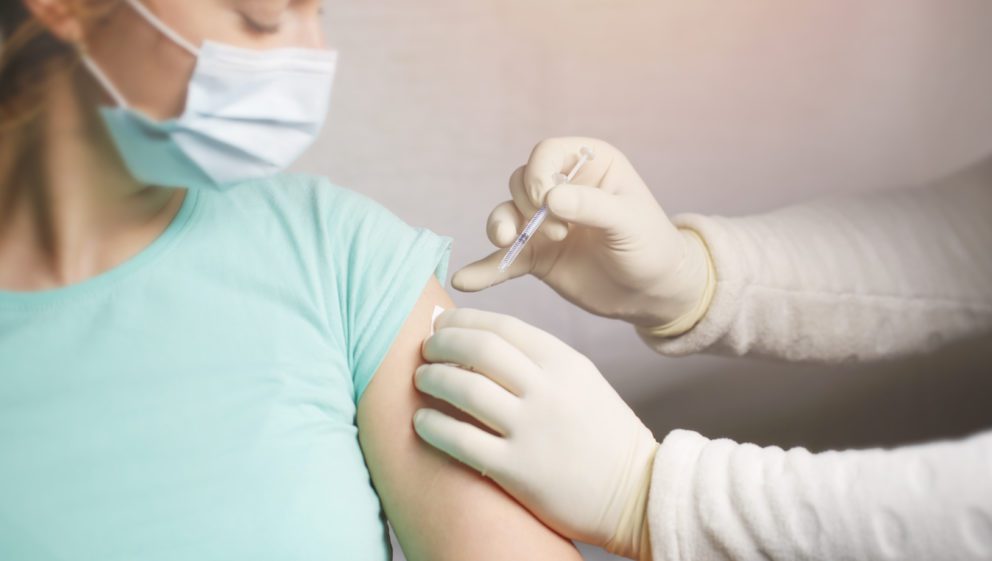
[
  {"x": 440, "y": 509},
  {"x": 69, "y": 211}
]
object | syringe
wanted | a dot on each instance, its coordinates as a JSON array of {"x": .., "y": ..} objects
[{"x": 585, "y": 155}]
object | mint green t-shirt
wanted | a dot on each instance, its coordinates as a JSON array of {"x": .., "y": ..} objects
[{"x": 197, "y": 403}]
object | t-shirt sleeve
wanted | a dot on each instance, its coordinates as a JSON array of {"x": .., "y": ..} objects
[{"x": 387, "y": 264}]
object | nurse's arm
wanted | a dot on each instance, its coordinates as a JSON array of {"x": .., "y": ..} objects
[{"x": 440, "y": 509}]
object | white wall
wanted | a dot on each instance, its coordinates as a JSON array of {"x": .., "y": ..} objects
[{"x": 725, "y": 107}]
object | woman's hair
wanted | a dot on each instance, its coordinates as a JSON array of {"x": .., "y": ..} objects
[{"x": 30, "y": 55}]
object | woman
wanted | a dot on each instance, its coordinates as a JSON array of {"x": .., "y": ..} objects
[{"x": 200, "y": 359}]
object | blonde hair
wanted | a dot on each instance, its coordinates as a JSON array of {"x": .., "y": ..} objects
[{"x": 30, "y": 56}]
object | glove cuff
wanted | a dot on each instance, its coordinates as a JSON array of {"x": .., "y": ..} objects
[
  {"x": 688, "y": 320},
  {"x": 632, "y": 538}
]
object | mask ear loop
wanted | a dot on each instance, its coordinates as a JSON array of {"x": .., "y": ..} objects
[
  {"x": 164, "y": 29},
  {"x": 155, "y": 22},
  {"x": 103, "y": 80}
]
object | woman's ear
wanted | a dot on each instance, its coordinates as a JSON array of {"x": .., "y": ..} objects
[{"x": 59, "y": 17}]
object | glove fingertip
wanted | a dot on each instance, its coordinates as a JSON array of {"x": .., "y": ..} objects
[
  {"x": 562, "y": 202},
  {"x": 506, "y": 234},
  {"x": 465, "y": 281},
  {"x": 426, "y": 420},
  {"x": 418, "y": 417},
  {"x": 555, "y": 230}
]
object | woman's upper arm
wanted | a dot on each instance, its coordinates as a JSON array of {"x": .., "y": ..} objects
[{"x": 439, "y": 509}]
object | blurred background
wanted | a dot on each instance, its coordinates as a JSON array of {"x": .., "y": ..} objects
[{"x": 725, "y": 108}]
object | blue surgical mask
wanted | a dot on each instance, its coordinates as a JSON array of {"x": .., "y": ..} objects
[{"x": 249, "y": 114}]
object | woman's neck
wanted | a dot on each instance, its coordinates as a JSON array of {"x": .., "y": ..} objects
[{"x": 69, "y": 209}]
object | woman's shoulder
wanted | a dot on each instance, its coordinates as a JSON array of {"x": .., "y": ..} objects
[
  {"x": 307, "y": 208},
  {"x": 304, "y": 201},
  {"x": 300, "y": 192}
]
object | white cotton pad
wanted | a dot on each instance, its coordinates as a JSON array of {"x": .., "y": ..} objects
[{"x": 438, "y": 310}]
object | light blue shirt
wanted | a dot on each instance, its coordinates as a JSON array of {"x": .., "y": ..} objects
[{"x": 198, "y": 402}]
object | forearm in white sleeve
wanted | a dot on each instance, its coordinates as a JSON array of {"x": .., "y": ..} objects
[
  {"x": 719, "y": 500},
  {"x": 858, "y": 278}
]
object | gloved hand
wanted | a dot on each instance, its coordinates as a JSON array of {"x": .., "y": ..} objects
[
  {"x": 620, "y": 257},
  {"x": 565, "y": 444}
]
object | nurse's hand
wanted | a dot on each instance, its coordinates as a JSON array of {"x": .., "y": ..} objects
[
  {"x": 608, "y": 246},
  {"x": 563, "y": 443}
]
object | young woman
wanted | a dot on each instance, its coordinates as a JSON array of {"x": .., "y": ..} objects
[{"x": 201, "y": 358}]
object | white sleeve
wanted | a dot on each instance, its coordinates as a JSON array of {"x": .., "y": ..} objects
[
  {"x": 719, "y": 500},
  {"x": 850, "y": 279}
]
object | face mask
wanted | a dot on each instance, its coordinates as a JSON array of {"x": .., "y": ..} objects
[{"x": 249, "y": 114}]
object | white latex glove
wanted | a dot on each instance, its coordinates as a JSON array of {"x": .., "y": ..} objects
[
  {"x": 620, "y": 257},
  {"x": 563, "y": 442}
]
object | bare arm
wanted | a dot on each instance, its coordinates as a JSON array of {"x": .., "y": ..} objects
[{"x": 439, "y": 509}]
